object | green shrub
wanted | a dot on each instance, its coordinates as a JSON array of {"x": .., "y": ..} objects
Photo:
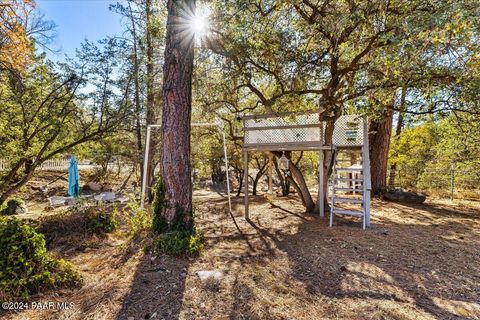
[
  {"x": 179, "y": 243},
  {"x": 139, "y": 220},
  {"x": 176, "y": 236},
  {"x": 159, "y": 203},
  {"x": 8, "y": 207},
  {"x": 99, "y": 220},
  {"x": 25, "y": 265},
  {"x": 177, "y": 223}
]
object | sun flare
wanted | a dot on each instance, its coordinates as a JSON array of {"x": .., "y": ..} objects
[{"x": 199, "y": 23}]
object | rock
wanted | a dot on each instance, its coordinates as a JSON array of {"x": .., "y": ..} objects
[
  {"x": 106, "y": 196},
  {"x": 404, "y": 196},
  {"x": 216, "y": 274},
  {"x": 71, "y": 201},
  {"x": 94, "y": 186},
  {"x": 21, "y": 209},
  {"x": 57, "y": 201}
]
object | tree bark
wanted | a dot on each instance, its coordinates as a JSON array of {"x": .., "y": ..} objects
[
  {"x": 240, "y": 185},
  {"x": 175, "y": 167},
  {"x": 398, "y": 131},
  {"x": 302, "y": 187},
  {"x": 299, "y": 180},
  {"x": 379, "y": 138},
  {"x": 259, "y": 175},
  {"x": 284, "y": 183},
  {"x": 150, "y": 105}
]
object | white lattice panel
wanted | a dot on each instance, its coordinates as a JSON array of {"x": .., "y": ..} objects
[
  {"x": 283, "y": 121},
  {"x": 348, "y": 131},
  {"x": 301, "y": 130}
]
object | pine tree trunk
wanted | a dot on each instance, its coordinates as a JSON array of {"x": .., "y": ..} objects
[
  {"x": 398, "y": 131},
  {"x": 175, "y": 168},
  {"x": 150, "y": 106},
  {"x": 379, "y": 139}
]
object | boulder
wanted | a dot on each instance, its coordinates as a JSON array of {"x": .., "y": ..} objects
[
  {"x": 94, "y": 186},
  {"x": 404, "y": 196}
]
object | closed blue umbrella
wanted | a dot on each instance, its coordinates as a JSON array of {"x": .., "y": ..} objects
[{"x": 73, "y": 178}]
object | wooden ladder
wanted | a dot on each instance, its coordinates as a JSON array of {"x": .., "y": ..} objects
[{"x": 349, "y": 180}]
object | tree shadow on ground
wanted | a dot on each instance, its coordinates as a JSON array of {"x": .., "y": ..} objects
[
  {"x": 391, "y": 261},
  {"x": 428, "y": 268},
  {"x": 157, "y": 289}
]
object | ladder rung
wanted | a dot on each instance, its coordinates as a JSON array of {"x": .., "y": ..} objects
[
  {"x": 349, "y": 169},
  {"x": 347, "y": 179},
  {"x": 347, "y": 200},
  {"x": 348, "y": 189},
  {"x": 345, "y": 160},
  {"x": 348, "y": 212}
]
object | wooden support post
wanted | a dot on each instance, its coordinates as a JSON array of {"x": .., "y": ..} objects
[
  {"x": 225, "y": 156},
  {"x": 367, "y": 181},
  {"x": 145, "y": 168},
  {"x": 321, "y": 173},
  {"x": 321, "y": 193},
  {"x": 245, "y": 183},
  {"x": 270, "y": 172}
]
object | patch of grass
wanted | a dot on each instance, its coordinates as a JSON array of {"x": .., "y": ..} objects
[
  {"x": 179, "y": 243},
  {"x": 99, "y": 220},
  {"x": 139, "y": 220},
  {"x": 26, "y": 267}
]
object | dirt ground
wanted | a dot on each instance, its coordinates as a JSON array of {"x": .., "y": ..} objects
[{"x": 415, "y": 262}]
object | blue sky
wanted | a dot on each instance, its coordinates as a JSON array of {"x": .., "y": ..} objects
[{"x": 77, "y": 20}]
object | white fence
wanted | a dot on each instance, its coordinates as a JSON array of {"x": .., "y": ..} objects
[
  {"x": 50, "y": 164},
  {"x": 64, "y": 164}
]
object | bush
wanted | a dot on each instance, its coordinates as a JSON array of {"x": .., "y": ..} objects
[
  {"x": 139, "y": 220},
  {"x": 158, "y": 205},
  {"x": 99, "y": 220},
  {"x": 9, "y": 206},
  {"x": 178, "y": 222},
  {"x": 179, "y": 243},
  {"x": 25, "y": 265},
  {"x": 177, "y": 236}
]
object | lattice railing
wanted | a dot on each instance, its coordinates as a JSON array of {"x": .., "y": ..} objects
[{"x": 280, "y": 132}]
